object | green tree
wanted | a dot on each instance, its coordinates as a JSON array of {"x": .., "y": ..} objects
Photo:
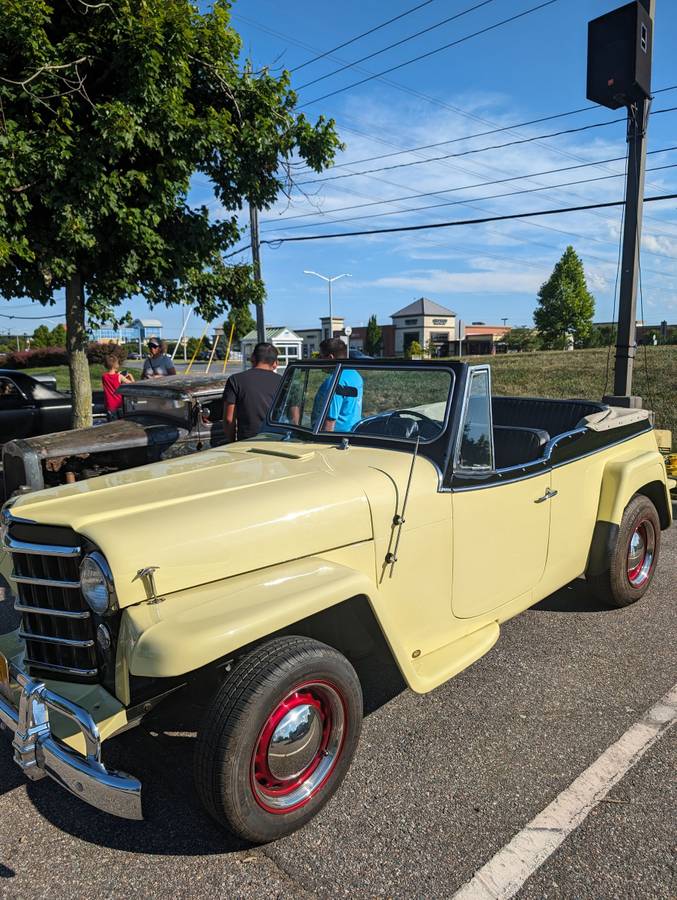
[
  {"x": 108, "y": 109},
  {"x": 243, "y": 320},
  {"x": 523, "y": 339},
  {"x": 57, "y": 336},
  {"x": 565, "y": 305},
  {"x": 41, "y": 337},
  {"x": 373, "y": 338},
  {"x": 414, "y": 349}
]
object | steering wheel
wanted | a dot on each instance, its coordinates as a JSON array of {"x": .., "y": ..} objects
[{"x": 419, "y": 417}]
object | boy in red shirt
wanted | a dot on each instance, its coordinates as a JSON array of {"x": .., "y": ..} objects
[{"x": 111, "y": 379}]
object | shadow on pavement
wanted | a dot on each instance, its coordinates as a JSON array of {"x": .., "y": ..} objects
[
  {"x": 160, "y": 754},
  {"x": 576, "y": 597}
]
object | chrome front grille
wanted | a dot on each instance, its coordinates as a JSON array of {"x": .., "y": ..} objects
[{"x": 56, "y": 622}]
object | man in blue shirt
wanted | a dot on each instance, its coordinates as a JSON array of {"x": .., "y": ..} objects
[{"x": 345, "y": 408}]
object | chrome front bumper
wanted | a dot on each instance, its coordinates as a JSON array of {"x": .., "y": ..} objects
[{"x": 38, "y": 753}]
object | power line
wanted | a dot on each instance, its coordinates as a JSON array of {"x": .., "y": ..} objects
[
  {"x": 455, "y": 43},
  {"x": 467, "y": 137},
  {"x": 418, "y": 162},
  {"x": 463, "y": 188},
  {"x": 533, "y": 190},
  {"x": 405, "y": 40},
  {"x": 458, "y": 222},
  {"x": 35, "y": 318},
  {"x": 358, "y": 37},
  {"x": 420, "y": 95}
]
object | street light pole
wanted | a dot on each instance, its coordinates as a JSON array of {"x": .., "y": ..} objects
[{"x": 330, "y": 280}]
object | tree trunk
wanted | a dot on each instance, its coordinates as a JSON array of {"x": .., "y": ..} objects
[{"x": 81, "y": 387}]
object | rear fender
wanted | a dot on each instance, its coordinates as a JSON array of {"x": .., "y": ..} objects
[
  {"x": 620, "y": 482},
  {"x": 624, "y": 478},
  {"x": 196, "y": 627}
]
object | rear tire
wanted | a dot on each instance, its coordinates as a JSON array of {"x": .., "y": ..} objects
[
  {"x": 278, "y": 738},
  {"x": 632, "y": 560}
]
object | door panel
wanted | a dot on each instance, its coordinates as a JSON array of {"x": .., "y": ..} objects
[{"x": 500, "y": 543}]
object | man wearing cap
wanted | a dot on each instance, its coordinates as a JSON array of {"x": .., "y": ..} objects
[{"x": 157, "y": 364}]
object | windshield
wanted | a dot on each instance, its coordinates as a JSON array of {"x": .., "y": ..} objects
[
  {"x": 399, "y": 403},
  {"x": 158, "y": 406}
]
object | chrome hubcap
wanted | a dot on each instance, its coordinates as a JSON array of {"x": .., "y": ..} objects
[
  {"x": 641, "y": 551},
  {"x": 295, "y": 742},
  {"x": 298, "y": 747}
]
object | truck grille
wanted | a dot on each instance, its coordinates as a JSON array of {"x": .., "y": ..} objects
[{"x": 56, "y": 623}]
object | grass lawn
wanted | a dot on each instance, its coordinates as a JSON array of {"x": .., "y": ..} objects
[
  {"x": 581, "y": 373},
  {"x": 63, "y": 378}
]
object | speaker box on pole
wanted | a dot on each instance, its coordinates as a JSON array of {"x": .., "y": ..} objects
[{"x": 619, "y": 56}]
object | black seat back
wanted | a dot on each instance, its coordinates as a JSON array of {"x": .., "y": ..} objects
[
  {"x": 515, "y": 446},
  {"x": 553, "y": 416}
]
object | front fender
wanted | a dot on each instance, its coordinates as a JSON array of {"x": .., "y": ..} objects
[{"x": 192, "y": 628}]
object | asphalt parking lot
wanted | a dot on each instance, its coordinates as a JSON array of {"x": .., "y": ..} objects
[{"x": 440, "y": 782}]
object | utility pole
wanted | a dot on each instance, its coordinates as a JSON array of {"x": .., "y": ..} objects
[
  {"x": 619, "y": 74},
  {"x": 626, "y": 339},
  {"x": 256, "y": 261}
]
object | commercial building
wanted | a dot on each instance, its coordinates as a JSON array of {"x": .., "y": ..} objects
[
  {"x": 287, "y": 342},
  {"x": 138, "y": 332},
  {"x": 429, "y": 324}
]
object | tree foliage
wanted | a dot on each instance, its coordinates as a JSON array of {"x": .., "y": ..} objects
[
  {"x": 523, "y": 339},
  {"x": 243, "y": 320},
  {"x": 108, "y": 109},
  {"x": 373, "y": 338},
  {"x": 565, "y": 305}
]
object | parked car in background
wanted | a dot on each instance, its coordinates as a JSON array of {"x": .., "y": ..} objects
[
  {"x": 392, "y": 509},
  {"x": 31, "y": 405},
  {"x": 162, "y": 418}
]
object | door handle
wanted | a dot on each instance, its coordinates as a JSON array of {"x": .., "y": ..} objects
[{"x": 549, "y": 494}]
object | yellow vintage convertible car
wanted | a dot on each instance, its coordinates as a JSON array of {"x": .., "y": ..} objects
[{"x": 384, "y": 502}]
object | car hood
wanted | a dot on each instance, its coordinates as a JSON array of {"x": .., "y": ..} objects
[
  {"x": 118, "y": 435},
  {"x": 206, "y": 517}
]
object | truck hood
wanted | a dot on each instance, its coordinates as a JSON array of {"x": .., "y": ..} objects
[{"x": 211, "y": 515}]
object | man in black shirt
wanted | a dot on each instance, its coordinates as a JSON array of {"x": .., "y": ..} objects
[{"x": 249, "y": 395}]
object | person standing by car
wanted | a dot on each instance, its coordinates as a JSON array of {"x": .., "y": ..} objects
[
  {"x": 111, "y": 380},
  {"x": 157, "y": 364},
  {"x": 345, "y": 409},
  {"x": 249, "y": 395}
]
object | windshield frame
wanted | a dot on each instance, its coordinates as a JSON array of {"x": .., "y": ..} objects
[{"x": 301, "y": 432}]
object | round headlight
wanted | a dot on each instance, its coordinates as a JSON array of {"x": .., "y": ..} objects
[{"x": 96, "y": 582}]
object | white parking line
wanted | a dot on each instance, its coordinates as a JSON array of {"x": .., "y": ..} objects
[{"x": 506, "y": 872}]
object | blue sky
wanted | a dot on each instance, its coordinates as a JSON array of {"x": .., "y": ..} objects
[{"x": 529, "y": 68}]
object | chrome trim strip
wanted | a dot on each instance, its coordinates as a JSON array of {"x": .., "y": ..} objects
[
  {"x": 40, "y": 549},
  {"x": 38, "y": 753},
  {"x": 52, "y": 667},
  {"x": 46, "y": 582},
  {"x": 62, "y": 642},
  {"x": 45, "y": 611}
]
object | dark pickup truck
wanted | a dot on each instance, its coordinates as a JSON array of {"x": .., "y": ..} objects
[
  {"x": 162, "y": 418},
  {"x": 31, "y": 406}
]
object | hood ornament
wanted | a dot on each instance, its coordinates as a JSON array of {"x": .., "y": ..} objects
[{"x": 147, "y": 575}]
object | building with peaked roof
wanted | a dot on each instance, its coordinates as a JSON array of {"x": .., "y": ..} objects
[
  {"x": 431, "y": 325},
  {"x": 287, "y": 342}
]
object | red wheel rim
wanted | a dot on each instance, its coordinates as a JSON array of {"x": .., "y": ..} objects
[
  {"x": 298, "y": 747},
  {"x": 641, "y": 554}
]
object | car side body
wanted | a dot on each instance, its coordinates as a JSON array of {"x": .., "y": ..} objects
[
  {"x": 422, "y": 530},
  {"x": 31, "y": 405}
]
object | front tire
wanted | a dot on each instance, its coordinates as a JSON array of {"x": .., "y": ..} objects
[
  {"x": 632, "y": 560},
  {"x": 278, "y": 738}
]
